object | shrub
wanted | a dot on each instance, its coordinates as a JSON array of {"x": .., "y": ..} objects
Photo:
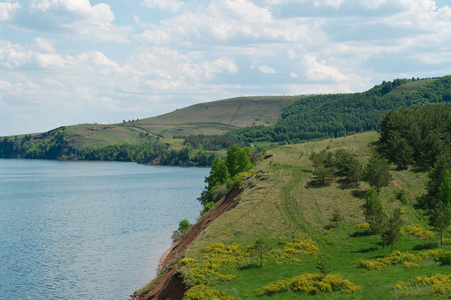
[
  {"x": 201, "y": 292},
  {"x": 207, "y": 208},
  {"x": 408, "y": 260},
  {"x": 310, "y": 284},
  {"x": 445, "y": 258},
  {"x": 425, "y": 286},
  {"x": 184, "y": 226},
  {"x": 419, "y": 232}
]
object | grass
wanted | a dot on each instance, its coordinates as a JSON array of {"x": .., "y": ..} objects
[
  {"x": 278, "y": 202},
  {"x": 216, "y": 117},
  {"x": 97, "y": 135},
  {"x": 411, "y": 86}
]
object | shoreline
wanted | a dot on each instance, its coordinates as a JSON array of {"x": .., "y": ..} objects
[{"x": 163, "y": 258}]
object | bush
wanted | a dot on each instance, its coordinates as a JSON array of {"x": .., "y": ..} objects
[
  {"x": 207, "y": 208},
  {"x": 310, "y": 284},
  {"x": 184, "y": 226},
  {"x": 419, "y": 232},
  {"x": 445, "y": 258},
  {"x": 201, "y": 292},
  {"x": 425, "y": 286}
]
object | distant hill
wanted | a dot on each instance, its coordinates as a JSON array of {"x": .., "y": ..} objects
[
  {"x": 335, "y": 115},
  {"x": 214, "y": 126},
  {"x": 216, "y": 117}
]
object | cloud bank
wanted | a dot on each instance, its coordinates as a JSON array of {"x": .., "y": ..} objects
[{"x": 68, "y": 61}]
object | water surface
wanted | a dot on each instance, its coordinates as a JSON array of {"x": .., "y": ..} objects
[{"x": 88, "y": 230}]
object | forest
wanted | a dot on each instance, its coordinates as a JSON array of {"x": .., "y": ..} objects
[{"x": 335, "y": 115}]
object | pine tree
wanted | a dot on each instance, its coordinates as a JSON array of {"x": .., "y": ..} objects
[
  {"x": 392, "y": 232},
  {"x": 377, "y": 173}
]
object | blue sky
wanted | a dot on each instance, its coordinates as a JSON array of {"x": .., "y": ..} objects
[{"x": 65, "y": 62}]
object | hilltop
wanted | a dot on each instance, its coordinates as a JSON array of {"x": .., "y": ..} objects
[
  {"x": 217, "y": 117},
  {"x": 276, "y": 202}
]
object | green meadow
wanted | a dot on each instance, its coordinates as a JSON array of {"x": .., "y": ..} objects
[{"x": 280, "y": 207}]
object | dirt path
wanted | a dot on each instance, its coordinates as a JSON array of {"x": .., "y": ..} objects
[{"x": 401, "y": 185}]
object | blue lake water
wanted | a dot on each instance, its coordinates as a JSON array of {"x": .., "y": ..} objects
[{"x": 88, "y": 230}]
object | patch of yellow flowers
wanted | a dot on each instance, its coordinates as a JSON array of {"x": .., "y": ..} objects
[
  {"x": 419, "y": 232},
  {"x": 310, "y": 283},
  {"x": 423, "y": 286},
  {"x": 220, "y": 262},
  {"x": 407, "y": 259}
]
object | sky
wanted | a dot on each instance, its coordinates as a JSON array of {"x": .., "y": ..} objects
[{"x": 65, "y": 62}]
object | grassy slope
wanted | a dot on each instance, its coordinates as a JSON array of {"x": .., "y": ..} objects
[
  {"x": 217, "y": 117},
  {"x": 277, "y": 201},
  {"x": 96, "y": 135},
  {"x": 207, "y": 118}
]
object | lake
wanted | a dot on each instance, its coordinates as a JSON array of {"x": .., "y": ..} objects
[{"x": 88, "y": 230}]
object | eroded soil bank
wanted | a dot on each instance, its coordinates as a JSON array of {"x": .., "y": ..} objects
[{"x": 169, "y": 285}]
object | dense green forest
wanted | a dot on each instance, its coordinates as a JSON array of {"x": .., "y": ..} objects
[
  {"x": 335, "y": 115},
  {"x": 420, "y": 137}
]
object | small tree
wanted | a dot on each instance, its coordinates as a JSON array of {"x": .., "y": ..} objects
[
  {"x": 323, "y": 175},
  {"x": 323, "y": 266},
  {"x": 373, "y": 211},
  {"x": 184, "y": 226},
  {"x": 336, "y": 218},
  {"x": 377, "y": 173},
  {"x": 219, "y": 175},
  {"x": 392, "y": 232},
  {"x": 261, "y": 247},
  {"x": 440, "y": 216},
  {"x": 237, "y": 160},
  {"x": 346, "y": 165}
]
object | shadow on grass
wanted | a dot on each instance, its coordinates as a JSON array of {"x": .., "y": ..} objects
[
  {"x": 426, "y": 246},
  {"x": 249, "y": 267},
  {"x": 315, "y": 185},
  {"x": 346, "y": 185},
  {"x": 365, "y": 250},
  {"x": 361, "y": 234},
  {"x": 359, "y": 194}
]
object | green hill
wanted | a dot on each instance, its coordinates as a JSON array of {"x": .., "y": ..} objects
[
  {"x": 335, "y": 115},
  {"x": 277, "y": 204},
  {"x": 216, "y": 117},
  {"x": 214, "y": 126}
]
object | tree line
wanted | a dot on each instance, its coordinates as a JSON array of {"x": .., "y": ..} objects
[
  {"x": 52, "y": 145},
  {"x": 421, "y": 137}
]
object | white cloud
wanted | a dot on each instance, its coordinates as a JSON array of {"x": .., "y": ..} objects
[
  {"x": 320, "y": 71},
  {"x": 12, "y": 55},
  {"x": 78, "y": 18},
  {"x": 7, "y": 9},
  {"x": 44, "y": 45},
  {"x": 267, "y": 70},
  {"x": 4, "y": 85},
  {"x": 229, "y": 22},
  {"x": 170, "y": 5},
  {"x": 334, "y": 3}
]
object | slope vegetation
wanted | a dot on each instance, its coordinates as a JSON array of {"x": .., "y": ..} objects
[
  {"x": 217, "y": 117},
  {"x": 279, "y": 206}
]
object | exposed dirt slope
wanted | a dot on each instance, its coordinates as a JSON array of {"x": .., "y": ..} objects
[{"x": 169, "y": 285}]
